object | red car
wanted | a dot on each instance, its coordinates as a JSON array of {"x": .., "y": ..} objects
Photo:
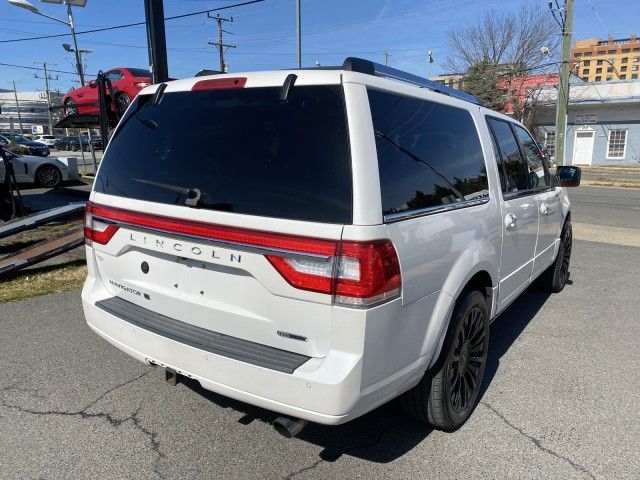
[{"x": 126, "y": 82}]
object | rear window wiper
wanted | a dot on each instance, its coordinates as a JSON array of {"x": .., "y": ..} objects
[{"x": 192, "y": 195}]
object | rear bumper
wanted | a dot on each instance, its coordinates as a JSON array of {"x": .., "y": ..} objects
[{"x": 329, "y": 390}]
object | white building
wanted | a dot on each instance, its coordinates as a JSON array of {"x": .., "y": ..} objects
[
  {"x": 32, "y": 107},
  {"x": 603, "y": 122}
]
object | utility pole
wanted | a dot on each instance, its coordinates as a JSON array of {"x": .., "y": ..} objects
[
  {"x": 156, "y": 40},
  {"x": 47, "y": 77},
  {"x": 15, "y": 95},
  {"x": 220, "y": 44},
  {"x": 386, "y": 57},
  {"x": 563, "y": 87},
  {"x": 299, "y": 33},
  {"x": 75, "y": 44}
]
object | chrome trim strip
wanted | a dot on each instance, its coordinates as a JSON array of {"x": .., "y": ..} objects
[
  {"x": 396, "y": 217},
  {"x": 244, "y": 247}
]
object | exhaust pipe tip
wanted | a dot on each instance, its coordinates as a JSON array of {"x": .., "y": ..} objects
[{"x": 289, "y": 427}]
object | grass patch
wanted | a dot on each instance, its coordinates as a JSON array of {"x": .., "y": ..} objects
[{"x": 41, "y": 281}]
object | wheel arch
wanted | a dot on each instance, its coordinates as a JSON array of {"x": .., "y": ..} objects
[{"x": 482, "y": 277}]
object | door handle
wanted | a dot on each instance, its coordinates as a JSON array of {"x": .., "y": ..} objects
[
  {"x": 510, "y": 221},
  {"x": 545, "y": 209}
]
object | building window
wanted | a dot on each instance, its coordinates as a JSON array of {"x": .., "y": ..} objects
[
  {"x": 626, "y": 50},
  {"x": 599, "y": 62},
  {"x": 550, "y": 143},
  {"x": 598, "y": 70},
  {"x": 577, "y": 54},
  {"x": 609, "y": 69},
  {"x": 624, "y": 59},
  {"x": 634, "y": 68},
  {"x": 611, "y": 52},
  {"x": 623, "y": 77},
  {"x": 636, "y": 59},
  {"x": 636, "y": 49},
  {"x": 585, "y": 71},
  {"x": 585, "y": 79},
  {"x": 617, "y": 144},
  {"x": 601, "y": 52},
  {"x": 588, "y": 54},
  {"x": 623, "y": 69},
  {"x": 634, "y": 76},
  {"x": 609, "y": 78},
  {"x": 598, "y": 79},
  {"x": 586, "y": 63}
]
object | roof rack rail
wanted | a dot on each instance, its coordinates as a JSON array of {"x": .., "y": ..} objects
[{"x": 371, "y": 68}]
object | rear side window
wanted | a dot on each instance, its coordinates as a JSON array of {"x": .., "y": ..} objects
[
  {"x": 513, "y": 173},
  {"x": 429, "y": 154},
  {"x": 243, "y": 149}
]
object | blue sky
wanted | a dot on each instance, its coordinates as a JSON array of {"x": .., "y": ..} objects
[{"x": 265, "y": 33}]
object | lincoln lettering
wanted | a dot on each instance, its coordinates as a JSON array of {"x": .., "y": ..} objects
[{"x": 183, "y": 248}]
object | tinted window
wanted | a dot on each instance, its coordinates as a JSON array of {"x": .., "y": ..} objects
[
  {"x": 244, "y": 149},
  {"x": 429, "y": 154},
  {"x": 514, "y": 172},
  {"x": 538, "y": 173},
  {"x": 115, "y": 75},
  {"x": 139, "y": 72}
]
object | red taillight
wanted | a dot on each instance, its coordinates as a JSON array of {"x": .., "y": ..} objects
[
  {"x": 358, "y": 274},
  {"x": 361, "y": 274},
  {"x": 220, "y": 83},
  {"x": 96, "y": 230}
]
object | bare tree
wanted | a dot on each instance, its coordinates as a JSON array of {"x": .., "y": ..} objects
[
  {"x": 515, "y": 40},
  {"x": 499, "y": 52}
]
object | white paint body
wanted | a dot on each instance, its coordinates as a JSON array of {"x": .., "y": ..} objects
[{"x": 360, "y": 358}]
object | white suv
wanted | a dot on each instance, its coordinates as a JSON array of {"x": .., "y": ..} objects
[{"x": 317, "y": 242}]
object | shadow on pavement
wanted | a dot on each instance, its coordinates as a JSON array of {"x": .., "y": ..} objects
[{"x": 386, "y": 433}]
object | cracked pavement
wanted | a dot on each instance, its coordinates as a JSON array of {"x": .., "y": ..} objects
[{"x": 561, "y": 400}]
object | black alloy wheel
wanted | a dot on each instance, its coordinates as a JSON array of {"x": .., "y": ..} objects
[
  {"x": 70, "y": 107},
  {"x": 567, "y": 241},
  {"x": 449, "y": 390},
  {"x": 122, "y": 102},
  {"x": 48, "y": 176},
  {"x": 467, "y": 361}
]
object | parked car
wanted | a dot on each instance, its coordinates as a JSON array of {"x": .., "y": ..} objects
[
  {"x": 126, "y": 82},
  {"x": 48, "y": 140},
  {"x": 73, "y": 143},
  {"x": 46, "y": 172},
  {"x": 35, "y": 148},
  {"x": 349, "y": 239}
]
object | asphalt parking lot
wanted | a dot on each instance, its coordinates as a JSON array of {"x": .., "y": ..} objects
[{"x": 560, "y": 400}]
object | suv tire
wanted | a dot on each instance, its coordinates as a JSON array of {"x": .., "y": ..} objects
[
  {"x": 447, "y": 394},
  {"x": 554, "y": 278}
]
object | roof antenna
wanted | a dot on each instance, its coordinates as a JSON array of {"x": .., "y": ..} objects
[{"x": 287, "y": 86}]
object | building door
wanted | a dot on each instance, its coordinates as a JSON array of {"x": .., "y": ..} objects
[{"x": 583, "y": 147}]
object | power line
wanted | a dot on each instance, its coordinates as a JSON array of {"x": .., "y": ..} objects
[
  {"x": 595, "y": 12},
  {"x": 35, "y": 68},
  {"x": 135, "y": 24}
]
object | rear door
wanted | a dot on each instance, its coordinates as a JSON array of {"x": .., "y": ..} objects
[
  {"x": 519, "y": 214},
  {"x": 209, "y": 190},
  {"x": 549, "y": 201}
]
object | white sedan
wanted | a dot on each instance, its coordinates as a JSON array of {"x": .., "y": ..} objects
[
  {"x": 48, "y": 140},
  {"x": 45, "y": 171}
]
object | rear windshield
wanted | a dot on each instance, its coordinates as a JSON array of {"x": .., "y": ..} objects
[
  {"x": 243, "y": 150},
  {"x": 139, "y": 72}
]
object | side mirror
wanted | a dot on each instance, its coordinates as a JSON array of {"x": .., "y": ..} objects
[
  {"x": 568, "y": 176},
  {"x": 93, "y": 84}
]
